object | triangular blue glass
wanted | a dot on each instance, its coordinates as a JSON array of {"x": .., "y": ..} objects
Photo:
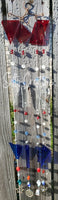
[{"x": 17, "y": 150}]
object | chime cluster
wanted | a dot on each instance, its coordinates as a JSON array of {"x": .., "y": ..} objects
[
  {"x": 35, "y": 38},
  {"x": 41, "y": 185}
]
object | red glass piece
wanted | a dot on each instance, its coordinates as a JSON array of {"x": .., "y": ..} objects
[
  {"x": 22, "y": 52},
  {"x": 25, "y": 113},
  {"x": 22, "y": 34},
  {"x": 44, "y": 112},
  {"x": 38, "y": 170},
  {"x": 38, "y": 117},
  {"x": 14, "y": 29},
  {"x": 38, "y": 34},
  {"x": 10, "y": 27},
  {"x": 15, "y": 110},
  {"x": 43, "y": 171},
  {"x": 11, "y": 51},
  {"x": 43, "y": 51},
  {"x": 36, "y": 51},
  {"x": 17, "y": 169}
]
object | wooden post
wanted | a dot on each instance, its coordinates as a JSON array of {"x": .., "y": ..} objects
[
  {"x": 55, "y": 96},
  {"x": 7, "y": 177}
]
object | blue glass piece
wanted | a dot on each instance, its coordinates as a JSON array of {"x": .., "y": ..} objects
[
  {"x": 44, "y": 134},
  {"x": 37, "y": 79},
  {"x": 24, "y": 83},
  {"x": 17, "y": 82},
  {"x": 43, "y": 78},
  {"x": 37, "y": 136},
  {"x": 28, "y": 184},
  {"x": 27, "y": 156},
  {"x": 43, "y": 183},
  {"x": 13, "y": 81},
  {"x": 42, "y": 154},
  {"x": 19, "y": 181},
  {"x": 17, "y": 150},
  {"x": 26, "y": 133},
  {"x": 15, "y": 131},
  {"x": 21, "y": 83},
  {"x": 28, "y": 153}
]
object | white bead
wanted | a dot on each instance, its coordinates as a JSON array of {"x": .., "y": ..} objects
[
  {"x": 36, "y": 69},
  {"x": 23, "y": 66},
  {"x": 25, "y": 120},
  {"x": 15, "y": 122},
  {"x": 43, "y": 67},
  {"x": 43, "y": 142},
  {"x": 12, "y": 63},
  {"x": 37, "y": 143},
  {"x": 15, "y": 140},
  {"x": 43, "y": 123},
  {"x": 18, "y": 174},
  {"x": 37, "y": 126},
  {"x": 26, "y": 142}
]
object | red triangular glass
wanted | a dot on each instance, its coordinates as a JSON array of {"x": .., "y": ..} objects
[
  {"x": 40, "y": 33},
  {"x": 10, "y": 27},
  {"x": 22, "y": 34}
]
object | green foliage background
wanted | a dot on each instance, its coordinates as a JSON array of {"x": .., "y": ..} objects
[
  {"x": 51, "y": 125},
  {"x": 12, "y": 119}
]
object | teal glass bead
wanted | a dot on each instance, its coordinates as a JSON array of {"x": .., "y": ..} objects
[{"x": 19, "y": 181}]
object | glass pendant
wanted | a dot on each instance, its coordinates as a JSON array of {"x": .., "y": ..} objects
[
  {"x": 29, "y": 193},
  {"x": 38, "y": 183},
  {"x": 37, "y": 192}
]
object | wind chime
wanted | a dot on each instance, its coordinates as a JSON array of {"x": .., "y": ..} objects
[{"x": 36, "y": 38}]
